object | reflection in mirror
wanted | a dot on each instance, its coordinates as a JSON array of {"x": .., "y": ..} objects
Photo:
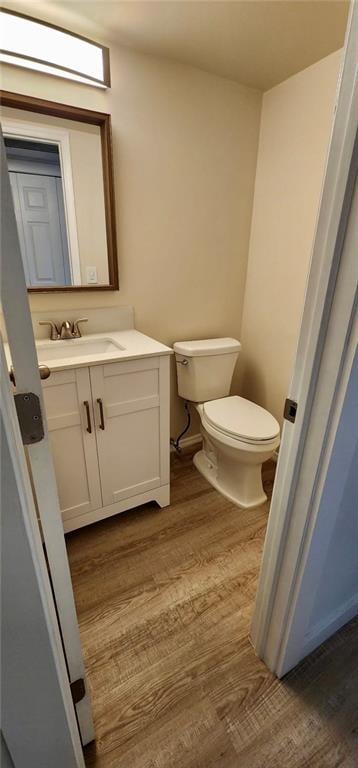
[
  {"x": 62, "y": 199},
  {"x": 36, "y": 183}
]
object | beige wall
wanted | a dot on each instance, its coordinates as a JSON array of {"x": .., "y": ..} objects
[
  {"x": 294, "y": 135},
  {"x": 185, "y": 148}
]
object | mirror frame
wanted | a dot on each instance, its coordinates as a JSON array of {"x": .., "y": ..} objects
[{"x": 103, "y": 120}]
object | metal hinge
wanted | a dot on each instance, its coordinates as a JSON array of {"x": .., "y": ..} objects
[
  {"x": 30, "y": 417},
  {"x": 78, "y": 690},
  {"x": 290, "y": 410}
]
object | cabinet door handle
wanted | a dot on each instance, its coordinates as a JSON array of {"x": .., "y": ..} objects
[
  {"x": 101, "y": 414},
  {"x": 88, "y": 414}
]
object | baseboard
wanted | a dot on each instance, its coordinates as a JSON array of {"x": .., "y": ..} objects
[
  {"x": 186, "y": 442},
  {"x": 331, "y": 624}
]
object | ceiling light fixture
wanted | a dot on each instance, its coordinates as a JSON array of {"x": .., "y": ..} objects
[{"x": 34, "y": 44}]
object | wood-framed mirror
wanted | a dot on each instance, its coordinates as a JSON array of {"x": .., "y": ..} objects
[{"x": 61, "y": 172}]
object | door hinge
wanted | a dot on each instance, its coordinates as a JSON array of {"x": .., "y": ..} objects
[
  {"x": 30, "y": 417},
  {"x": 290, "y": 410},
  {"x": 78, "y": 690}
]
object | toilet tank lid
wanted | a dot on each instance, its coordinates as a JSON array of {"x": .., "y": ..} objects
[{"x": 203, "y": 347}]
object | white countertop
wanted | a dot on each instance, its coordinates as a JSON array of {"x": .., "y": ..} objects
[{"x": 88, "y": 350}]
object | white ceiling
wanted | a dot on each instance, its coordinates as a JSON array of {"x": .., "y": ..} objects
[{"x": 256, "y": 42}]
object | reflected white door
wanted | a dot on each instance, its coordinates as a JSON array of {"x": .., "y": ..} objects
[{"x": 39, "y": 213}]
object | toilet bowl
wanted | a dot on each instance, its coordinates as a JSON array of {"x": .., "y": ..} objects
[{"x": 238, "y": 435}]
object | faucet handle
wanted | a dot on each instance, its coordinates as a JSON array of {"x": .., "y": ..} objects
[
  {"x": 76, "y": 332},
  {"x": 54, "y": 333}
]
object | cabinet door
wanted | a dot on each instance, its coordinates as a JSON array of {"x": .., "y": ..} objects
[
  {"x": 128, "y": 433},
  {"x": 73, "y": 447}
]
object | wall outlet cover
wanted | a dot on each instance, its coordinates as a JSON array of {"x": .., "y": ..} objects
[{"x": 91, "y": 273}]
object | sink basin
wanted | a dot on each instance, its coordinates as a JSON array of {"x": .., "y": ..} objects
[{"x": 72, "y": 348}]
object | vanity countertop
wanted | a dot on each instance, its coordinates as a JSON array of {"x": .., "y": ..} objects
[{"x": 96, "y": 349}]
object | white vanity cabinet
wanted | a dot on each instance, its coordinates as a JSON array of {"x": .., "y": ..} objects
[{"x": 109, "y": 432}]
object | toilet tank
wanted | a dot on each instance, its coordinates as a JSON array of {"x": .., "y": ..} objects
[{"x": 205, "y": 368}]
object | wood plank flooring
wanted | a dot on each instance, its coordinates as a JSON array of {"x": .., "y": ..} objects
[{"x": 164, "y": 600}]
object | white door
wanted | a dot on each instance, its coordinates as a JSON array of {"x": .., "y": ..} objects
[
  {"x": 20, "y": 228},
  {"x": 70, "y": 419},
  {"x": 43, "y": 244},
  {"x": 20, "y": 336},
  {"x": 126, "y": 399},
  {"x": 38, "y": 720}
]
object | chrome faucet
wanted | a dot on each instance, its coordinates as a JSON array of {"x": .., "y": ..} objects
[{"x": 68, "y": 330}]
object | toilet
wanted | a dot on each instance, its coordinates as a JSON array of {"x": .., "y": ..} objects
[{"x": 238, "y": 435}]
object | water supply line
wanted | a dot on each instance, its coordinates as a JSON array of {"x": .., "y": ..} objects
[{"x": 175, "y": 442}]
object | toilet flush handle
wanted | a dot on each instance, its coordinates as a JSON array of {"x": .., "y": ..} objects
[{"x": 183, "y": 362}]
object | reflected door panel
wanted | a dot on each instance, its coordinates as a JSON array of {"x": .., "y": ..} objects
[{"x": 40, "y": 214}]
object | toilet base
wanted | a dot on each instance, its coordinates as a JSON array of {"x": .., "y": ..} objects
[{"x": 208, "y": 469}]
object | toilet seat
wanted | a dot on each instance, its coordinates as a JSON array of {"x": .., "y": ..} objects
[{"x": 241, "y": 419}]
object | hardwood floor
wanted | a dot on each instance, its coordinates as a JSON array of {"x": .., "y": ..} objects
[{"x": 164, "y": 601}]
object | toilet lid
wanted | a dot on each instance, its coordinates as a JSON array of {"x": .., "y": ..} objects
[{"x": 241, "y": 418}]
